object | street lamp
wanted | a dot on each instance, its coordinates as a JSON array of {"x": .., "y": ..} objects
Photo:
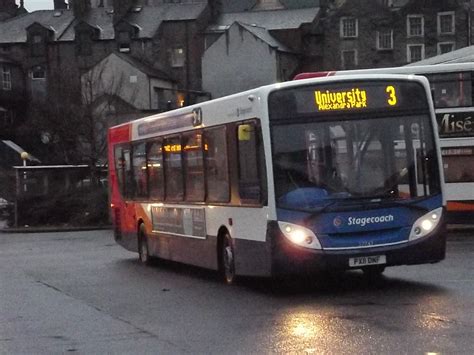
[{"x": 24, "y": 156}]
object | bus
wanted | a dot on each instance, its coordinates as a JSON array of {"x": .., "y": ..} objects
[
  {"x": 452, "y": 90},
  {"x": 339, "y": 173}
]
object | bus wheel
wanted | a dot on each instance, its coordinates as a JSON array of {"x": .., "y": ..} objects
[
  {"x": 143, "y": 251},
  {"x": 373, "y": 272},
  {"x": 227, "y": 260}
]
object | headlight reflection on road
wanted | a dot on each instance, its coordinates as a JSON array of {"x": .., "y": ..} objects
[
  {"x": 303, "y": 328},
  {"x": 301, "y": 331}
]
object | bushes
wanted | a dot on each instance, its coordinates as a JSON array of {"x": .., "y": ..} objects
[{"x": 83, "y": 207}]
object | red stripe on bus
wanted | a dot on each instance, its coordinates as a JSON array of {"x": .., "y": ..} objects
[
  {"x": 120, "y": 134},
  {"x": 460, "y": 206},
  {"x": 319, "y": 74}
]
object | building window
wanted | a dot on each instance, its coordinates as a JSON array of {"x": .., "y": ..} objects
[
  {"x": 349, "y": 59},
  {"x": 38, "y": 46},
  {"x": 385, "y": 40},
  {"x": 6, "y": 78},
  {"x": 124, "y": 42},
  {"x": 38, "y": 73},
  {"x": 415, "y": 52},
  {"x": 348, "y": 27},
  {"x": 445, "y": 47},
  {"x": 177, "y": 57},
  {"x": 446, "y": 23},
  {"x": 415, "y": 26}
]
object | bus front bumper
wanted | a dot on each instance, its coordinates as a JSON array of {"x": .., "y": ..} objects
[{"x": 288, "y": 258}]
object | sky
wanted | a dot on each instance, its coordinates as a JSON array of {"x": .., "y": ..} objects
[{"x": 33, "y": 5}]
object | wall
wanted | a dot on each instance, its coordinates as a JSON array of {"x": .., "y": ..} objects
[
  {"x": 238, "y": 61},
  {"x": 384, "y": 18}
]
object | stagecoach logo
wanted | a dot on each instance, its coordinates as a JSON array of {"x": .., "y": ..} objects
[
  {"x": 337, "y": 221},
  {"x": 363, "y": 221}
]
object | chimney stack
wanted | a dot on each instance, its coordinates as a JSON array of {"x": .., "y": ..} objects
[
  {"x": 60, "y": 5},
  {"x": 80, "y": 7},
  {"x": 121, "y": 8}
]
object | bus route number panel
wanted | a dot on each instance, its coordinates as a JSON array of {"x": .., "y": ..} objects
[{"x": 348, "y": 97}]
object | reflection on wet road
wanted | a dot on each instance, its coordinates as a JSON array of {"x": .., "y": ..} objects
[{"x": 81, "y": 292}]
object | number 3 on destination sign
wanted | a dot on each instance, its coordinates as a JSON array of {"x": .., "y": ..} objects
[{"x": 392, "y": 100}]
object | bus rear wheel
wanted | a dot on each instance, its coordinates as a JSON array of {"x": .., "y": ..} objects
[
  {"x": 143, "y": 250},
  {"x": 227, "y": 267}
]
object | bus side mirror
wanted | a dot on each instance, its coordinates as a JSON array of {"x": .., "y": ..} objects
[{"x": 245, "y": 131}]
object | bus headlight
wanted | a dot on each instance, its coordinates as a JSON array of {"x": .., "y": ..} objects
[
  {"x": 299, "y": 235},
  {"x": 426, "y": 224}
]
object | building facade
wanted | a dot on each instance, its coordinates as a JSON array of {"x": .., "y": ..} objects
[
  {"x": 179, "y": 52},
  {"x": 394, "y": 32}
]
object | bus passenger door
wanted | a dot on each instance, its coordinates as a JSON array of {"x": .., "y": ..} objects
[{"x": 124, "y": 212}]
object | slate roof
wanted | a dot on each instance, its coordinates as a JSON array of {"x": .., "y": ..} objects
[
  {"x": 237, "y": 6},
  {"x": 14, "y": 29},
  {"x": 299, "y": 4},
  {"x": 99, "y": 18},
  {"x": 270, "y": 20},
  {"x": 144, "y": 68},
  {"x": 266, "y": 37},
  {"x": 246, "y": 5},
  {"x": 463, "y": 55},
  {"x": 148, "y": 20}
]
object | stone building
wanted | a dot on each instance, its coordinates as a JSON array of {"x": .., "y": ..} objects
[
  {"x": 44, "y": 55},
  {"x": 393, "y": 32},
  {"x": 178, "y": 52},
  {"x": 9, "y": 9}
]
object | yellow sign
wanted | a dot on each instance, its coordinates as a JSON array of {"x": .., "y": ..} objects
[
  {"x": 340, "y": 100},
  {"x": 392, "y": 99}
]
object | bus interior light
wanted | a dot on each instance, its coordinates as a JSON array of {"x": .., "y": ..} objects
[
  {"x": 425, "y": 224},
  {"x": 299, "y": 235}
]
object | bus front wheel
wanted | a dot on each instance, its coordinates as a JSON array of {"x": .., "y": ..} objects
[
  {"x": 227, "y": 260},
  {"x": 143, "y": 251}
]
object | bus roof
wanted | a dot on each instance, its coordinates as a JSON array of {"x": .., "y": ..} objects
[
  {"x": 226, "y": 107},
  {"x": 412, "y": 69}
]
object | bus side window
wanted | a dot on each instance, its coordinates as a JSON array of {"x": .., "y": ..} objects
[
  {"x": 194, "y": 166},
  {"x": 173, "y": 169},
  {"x": 120, "y": 169},
  {"x": 217, "y": 171},
  {"x": 127, "y": 174},
  {"x": 251, "y": 162},
  {"x": 156, "y": 178},
  {"x": 139, "y": 171}
]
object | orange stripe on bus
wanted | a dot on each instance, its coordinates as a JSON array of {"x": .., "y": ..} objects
[{"x": 460, "y": 206}]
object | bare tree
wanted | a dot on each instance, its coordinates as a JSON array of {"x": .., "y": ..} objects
[{"x": 73, "y": 116}]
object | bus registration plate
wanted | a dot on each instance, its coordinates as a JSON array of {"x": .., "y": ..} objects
[{"x": 367, "y": 260}]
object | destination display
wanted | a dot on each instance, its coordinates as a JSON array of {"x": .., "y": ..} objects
[{"x": 348, "y": 97}]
